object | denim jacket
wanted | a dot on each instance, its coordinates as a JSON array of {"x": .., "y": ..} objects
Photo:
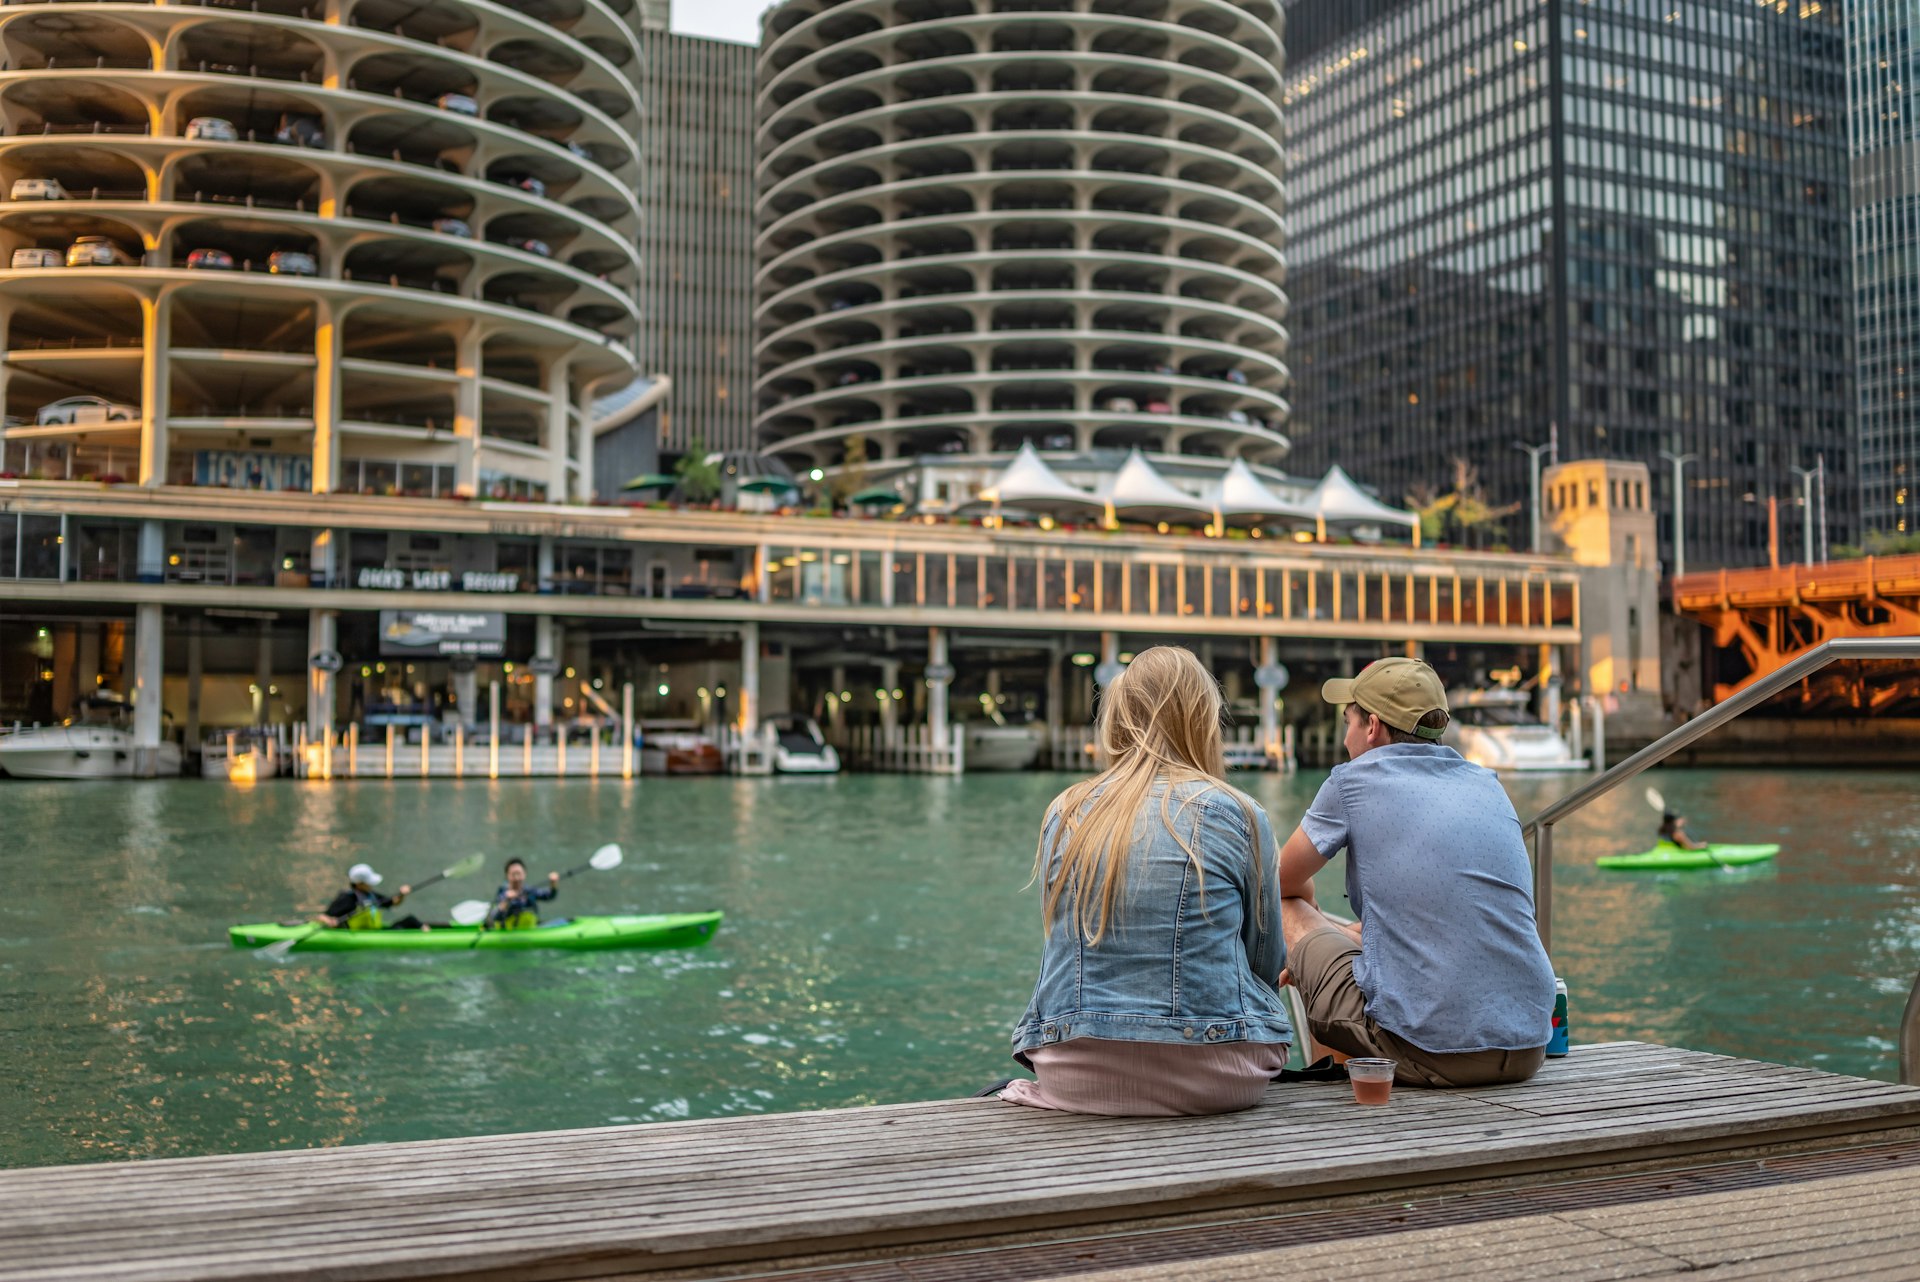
[{"x": 1185, "y": 957}]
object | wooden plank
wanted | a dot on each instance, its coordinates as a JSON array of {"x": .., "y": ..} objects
[{"x": 670, "y": 1194}]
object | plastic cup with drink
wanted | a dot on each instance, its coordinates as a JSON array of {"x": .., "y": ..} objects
[{"x": 1372, "y": 1080}]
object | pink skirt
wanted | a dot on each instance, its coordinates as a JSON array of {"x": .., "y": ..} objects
[{"x": 1148, "y": 1079}]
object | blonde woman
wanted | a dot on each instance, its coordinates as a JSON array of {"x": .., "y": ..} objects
[{"x": 1161, "y": 905}]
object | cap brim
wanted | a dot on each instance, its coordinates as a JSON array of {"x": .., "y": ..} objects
[{"x": 1338, "y": 690}]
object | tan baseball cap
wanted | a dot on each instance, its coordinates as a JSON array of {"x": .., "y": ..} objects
[{"x": 1398, "y": 691}]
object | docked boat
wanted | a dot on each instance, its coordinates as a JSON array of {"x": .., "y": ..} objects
[
  {"x": 98, "y": 744},
  {"x": 799, "y": 748},
  {"x": 1497, "y": 729},
  {"x": 580, "y": 935},
  {"x": 999, "y": 745},
  {"x": 1666, "y": 856},
  {"x": 677, "y": 748}
]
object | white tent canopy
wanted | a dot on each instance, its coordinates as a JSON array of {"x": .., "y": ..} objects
[
  {"x": 1138, "y": 491},
  {"x": 1028, "y": 482},
  {"x": 1239, "y": 492},
  {"x": 1337, "y": 498}
]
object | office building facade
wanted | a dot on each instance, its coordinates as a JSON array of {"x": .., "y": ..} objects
[
  {"x": 1623, "y": 224},
  {"x": 1883, "y": 66},
  {"x": 696, "y": 242}
]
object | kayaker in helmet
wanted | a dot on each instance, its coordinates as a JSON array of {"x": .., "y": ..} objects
[
  {"x": 358, "y": 907},
  {"x": 1673, "y": 830},
  {"x": 513, "y": 903}
]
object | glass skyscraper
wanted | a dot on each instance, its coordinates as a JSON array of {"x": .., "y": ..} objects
[
  {"x": 1883, "y": 71},
  {"x": 1620, "y": 222}
]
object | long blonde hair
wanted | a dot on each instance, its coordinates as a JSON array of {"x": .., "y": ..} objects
[{"x": 1159, "y": 720}]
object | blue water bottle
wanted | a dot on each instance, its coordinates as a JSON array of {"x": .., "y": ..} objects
[{"x": 1557, "y": 1044}]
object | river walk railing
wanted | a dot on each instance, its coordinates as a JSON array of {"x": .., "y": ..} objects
[{"x": 1838, "y": 650}]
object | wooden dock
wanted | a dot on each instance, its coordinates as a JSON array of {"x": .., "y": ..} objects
[{"x": 1624, "y": 1159}]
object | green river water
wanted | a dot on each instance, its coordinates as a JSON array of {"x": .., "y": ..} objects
[{"x": 878, "y": 947}]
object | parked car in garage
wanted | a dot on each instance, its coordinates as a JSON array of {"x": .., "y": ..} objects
[
  {"x": 300, "y": 131},
  {"x": 458, "y": 103},
  {"x": 1120, "y": 405},
  {"x": 452, "y": 226},
  {"x": 82, "y": 411},
  {"x": 38, "y": 258},
  {"x": 212, "y": 129},
  {"x": 210, "y": 260},
  {"x": 292, "y": 262},
  {"x": 528, "y": 245},
  {"x": 98, "y": 251},
  {"x": 37, "y": 189},
  {"x": 525, "y": 182}
]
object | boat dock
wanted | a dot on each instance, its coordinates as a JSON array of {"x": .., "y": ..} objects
[{"x": 1622, "y": 1160}]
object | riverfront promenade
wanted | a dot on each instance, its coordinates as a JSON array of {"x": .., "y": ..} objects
[{"x": 1615, "y": 1134}]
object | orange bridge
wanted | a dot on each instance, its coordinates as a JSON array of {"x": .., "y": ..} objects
[{"x": 1767, "y": 616}]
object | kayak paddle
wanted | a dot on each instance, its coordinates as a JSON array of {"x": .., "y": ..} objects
[
  {"x": 465, "y": 867},
  {"x": 605, "y": 859}
]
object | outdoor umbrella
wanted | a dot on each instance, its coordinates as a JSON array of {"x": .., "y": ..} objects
[{"x": 651, "y": 481}]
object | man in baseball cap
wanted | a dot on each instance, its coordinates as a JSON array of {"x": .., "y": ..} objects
[
  {"x": 358, "y": 907},
  {"x": 1444, "y": 972}
]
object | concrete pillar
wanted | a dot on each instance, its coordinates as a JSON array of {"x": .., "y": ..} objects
[
  {"x": 195, "y": 668},
  {"x": 149, "y": 673},
  {"x": 937, "y": 685},
  {"x": 65, "y": 668},
  {"x": 323, "y": 561},
  {"x": 749, "y": 676},
  {"x": 322, "y": 634},
  {"x": 544, "y": 563},
  {"x": 836, "y": 707},
  {"x": 152, "y": 563},
  {"x": 86, "y": 660},
  {"x": 466, "y": 413},
  {"x": 889, "y": 706},
  {"x": 1056, "y": 699},
  {"x": 262, "y": 670},
  {"x": 559, "y": 435},
  {"x": 156, "y": 343},
  {"x": 543, "y": 648},
  {"x": 1269, "y": 715},
  {"x": 466, "y": 693},
  {"x": 327, "y": 324}
]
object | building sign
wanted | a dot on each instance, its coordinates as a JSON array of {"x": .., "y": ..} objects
[
  {"x": 476, "y": 634},
  {"x": 250, "y": 470},
  {"x": 380, "y": 578}
]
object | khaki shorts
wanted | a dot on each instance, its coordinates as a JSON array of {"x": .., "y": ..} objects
[{"x": 1321, "y": 966}]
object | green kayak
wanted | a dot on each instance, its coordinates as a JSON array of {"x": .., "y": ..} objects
[
  {"x": 581, "y": 934},
  {"x": 1666, "y": 855}
]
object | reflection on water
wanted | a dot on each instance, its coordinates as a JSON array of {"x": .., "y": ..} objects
[{"x": 878, "y": 947}]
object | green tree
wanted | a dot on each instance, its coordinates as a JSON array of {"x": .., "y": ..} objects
[
  {"x": 1464, "y": 508},
  {"x": 699, "y": 475},
  {"x": 853, "y": 470}
]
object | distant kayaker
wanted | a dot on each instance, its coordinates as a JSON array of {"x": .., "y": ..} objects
[
  {"x": 1673, "y": 830},
  {"x": 513, "y": 903},
  {"x": 359, "y": 906}
]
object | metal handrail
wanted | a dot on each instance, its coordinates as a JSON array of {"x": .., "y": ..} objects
[
  {"x": 1910, "y": 1038},
  {"x": 1790, "y": 673}
]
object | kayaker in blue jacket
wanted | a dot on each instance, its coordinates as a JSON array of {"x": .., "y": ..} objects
[
  {"x": 514, "y": 903},
  {"x": 359, "y": 906}
]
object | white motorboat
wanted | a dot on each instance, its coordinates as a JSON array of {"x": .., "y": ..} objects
[
  {"x": 97, "y": 745},
  {"x": 799, "y": 748},
  {"x": 1497, "y": 729},
  {"x": 1000, "y": 746}
]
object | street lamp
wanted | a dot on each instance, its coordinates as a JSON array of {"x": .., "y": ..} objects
[
  {"x": 1533, "y": 453},
  {"x": 1679, "y": 462},
  {"x": 1807, "y": 475}
]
